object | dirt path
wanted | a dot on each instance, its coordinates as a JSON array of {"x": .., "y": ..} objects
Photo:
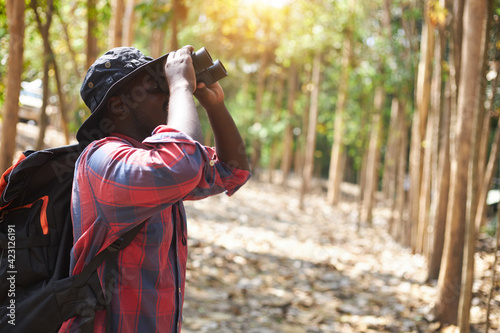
[{"x": 258, "y": 264}]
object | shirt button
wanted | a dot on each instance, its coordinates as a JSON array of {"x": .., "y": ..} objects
[
  {"x": 180, "y": 291},
  {"x": 212, "y": 162}
]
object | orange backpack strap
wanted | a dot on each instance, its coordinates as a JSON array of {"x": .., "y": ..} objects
[{"x": 4, "y": 180}]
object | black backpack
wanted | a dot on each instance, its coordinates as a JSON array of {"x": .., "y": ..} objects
[{"x": 36, "y": 236}]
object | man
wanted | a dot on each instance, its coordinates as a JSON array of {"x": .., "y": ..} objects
[{"x": 143, "y": 159}]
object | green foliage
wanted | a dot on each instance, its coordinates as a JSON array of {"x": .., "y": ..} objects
[
  {"x": 156, "y": 13},
  {"x": 240, "y": 33},
  {"x": 491, "y": 227}
]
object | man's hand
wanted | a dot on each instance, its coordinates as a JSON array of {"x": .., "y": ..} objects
[
  {"x": 181, "y": 78},
  {"x": 179, "y": 69},
  {"x": 228, "y": 142},
  {"x": 210, "y": 97}
]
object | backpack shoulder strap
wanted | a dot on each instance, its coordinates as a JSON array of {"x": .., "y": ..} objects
[
  {"x": 108, "y": 253},
  {"x": 36, "y": 170},
  {"x": 110, "y": 256}
]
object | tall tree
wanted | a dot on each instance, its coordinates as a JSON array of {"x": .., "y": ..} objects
[
  {"x": 129, "y": 23},
  {"x": 311, "y": 130},
  {"x": 492, "y": 161},
  {"x": 391, "y": 156},
  {"x": 91, "y": 48},
  {"x": 373, "y": 160},
  {"x": 473, "y": 181},
  {"x": 492, "y": 22},
  {"x": 437, "y": 14},
  {"x": 158, "y": 42},
  {"x": 449, "y": 283},
  {"x": 389, "y": 163},
  {"x": 15, "y": 19},
  {"x": 336, "y": 173},
  {"x": 42, "y": 126},
  {"x": 286, "y": 161},
  {"x": 44, "y": 29},
  {"x": 278, "y": 105},
  {"x": 179, "y": 14},
  {"x": 259, "y": 97},
  {"x": 399, "y": 230},
  {"x": 442, "y": 177},
  {"x": 115, "y": 36},
  {"x": 50, "y": 56},
  {"x": 420, "y": 123}
]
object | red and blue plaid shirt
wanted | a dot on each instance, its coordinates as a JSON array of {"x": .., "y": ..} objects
[{"x": 119, "y": 183}]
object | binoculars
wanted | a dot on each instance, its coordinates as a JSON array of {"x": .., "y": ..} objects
[{"x": 207, "y": 70}]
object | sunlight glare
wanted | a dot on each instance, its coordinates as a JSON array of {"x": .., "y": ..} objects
[{"x": 273, "y": 3}]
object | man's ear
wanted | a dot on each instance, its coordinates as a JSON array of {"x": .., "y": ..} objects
[{"x": 117, "y": 106}]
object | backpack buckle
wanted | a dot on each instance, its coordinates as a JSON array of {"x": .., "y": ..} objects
[{"x": 116, "y": 245}]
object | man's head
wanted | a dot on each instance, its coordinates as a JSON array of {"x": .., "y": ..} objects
[{"x": 123, "y": 88}]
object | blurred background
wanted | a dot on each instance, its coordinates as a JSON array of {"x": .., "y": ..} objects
[{"x": 387, "y": 104}]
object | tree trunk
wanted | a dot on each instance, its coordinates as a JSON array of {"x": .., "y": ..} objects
[
  {"x": 373, "y": 160},
  {"x": 15, "y": 18},
  {"x": 362, "y": 173},
  {"x": 437, "y": 104},
  {"x": 300, "y": 139},
  {"x": 442, "y": 174},
  {"x": 62, "y": 98},
  {"x": 261, "y": 80},
  {"x": 67, "y": 39},
  {"x": 446, "y": 308},
  {"x": 440, "y": 209},
  {"x": 391, "y": 165},
  {"x": 491, "y": 166},
  {"x": 415, "y": 177},
  {"x": 336, "y": 174},
  {"x": 129, "y": 23},
  {"x": 457, "y": 35},
  {"x": 286, "y": 162},
  {"x": 389, "y": 170},
  {"x": 91, "y": 33},
  {"x": 481, "y": 13},
  {"x": 275, "y": 144},
  {"x": 174, "y": 43},
  {"x": 44, "y": 29},
  {"x": 418, "y": 142},
  {"x": 485, "y": 135},
  {"x": 42, "y": 126},
  {"x": 455, "y": 60},
  {"x": 482, "y": 156},
  {"x": 116, "y": 23},
  {"x": 311, "y": 130},
  {"x": 401, "y": 175},
  {"x": 444, "y": 166},
  {"x": 425, "y": 184},
  {"x": 493, "y": 272},
  {"x": 391, "y": 156},
  {"x": 158, "y": 42}
]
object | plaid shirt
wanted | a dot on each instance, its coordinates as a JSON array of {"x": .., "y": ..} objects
[{"x": 119, "y": 183}]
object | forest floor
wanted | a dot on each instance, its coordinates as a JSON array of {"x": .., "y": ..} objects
[{"x": 259, "y": 264}]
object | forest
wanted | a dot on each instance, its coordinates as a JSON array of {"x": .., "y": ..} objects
[{"x": 395, "y": 99}]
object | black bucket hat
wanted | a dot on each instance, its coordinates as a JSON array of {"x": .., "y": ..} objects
[{"x": 106, "y": 75}]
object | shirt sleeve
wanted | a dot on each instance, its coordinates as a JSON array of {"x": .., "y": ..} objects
[
  {"x": 216, "y": 176},
  {"x": 137, "y": 183}
]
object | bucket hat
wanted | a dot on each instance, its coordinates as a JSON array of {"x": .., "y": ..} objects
[{"x": 104, "y": 78}]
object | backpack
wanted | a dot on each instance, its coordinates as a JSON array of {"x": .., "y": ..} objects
[{"x": 36, "y": 236}]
